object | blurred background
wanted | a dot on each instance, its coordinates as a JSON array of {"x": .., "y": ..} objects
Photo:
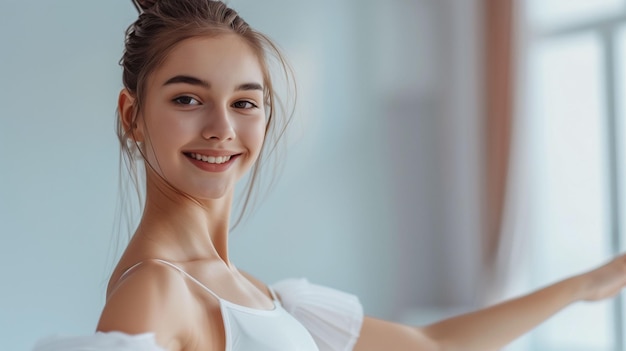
[{"x": 446, "y": 154}]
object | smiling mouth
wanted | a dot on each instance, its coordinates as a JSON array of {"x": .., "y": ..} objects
[{"x": 209, "y": 159}]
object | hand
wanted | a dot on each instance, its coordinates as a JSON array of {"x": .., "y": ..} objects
[{"x": 605, "y": 281}]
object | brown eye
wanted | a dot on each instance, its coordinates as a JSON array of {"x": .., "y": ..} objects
[
  {"x": 186, "y": 100},
  {"x": 244, "y": 104}
]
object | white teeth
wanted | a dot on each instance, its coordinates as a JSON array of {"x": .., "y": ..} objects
[{"x": 210, "y": 159}]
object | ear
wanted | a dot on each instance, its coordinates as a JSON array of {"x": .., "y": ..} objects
[{"x": 128, "y": 115}]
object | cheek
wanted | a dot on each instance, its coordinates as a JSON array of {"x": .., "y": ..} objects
[
  {"x": 254, "y": 134},
  {"x": 164, "y": 135}
]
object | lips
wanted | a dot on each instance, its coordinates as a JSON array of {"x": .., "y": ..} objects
[
  {"x": 216, "y": 162},
  {"x": 209, "y": 159}
]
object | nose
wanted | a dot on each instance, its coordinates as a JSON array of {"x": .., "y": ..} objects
[{"x": 218, "y": 125}]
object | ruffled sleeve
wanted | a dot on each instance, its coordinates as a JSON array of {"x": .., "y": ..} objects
[
  {"x": 111, "y": 341},
  {"x": 333, "y": 318}
]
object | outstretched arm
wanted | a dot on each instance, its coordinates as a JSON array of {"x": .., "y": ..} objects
[{"x": 496, "y": 326}]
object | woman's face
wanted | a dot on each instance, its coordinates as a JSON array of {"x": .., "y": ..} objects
[{"x": 203, "y": 121}]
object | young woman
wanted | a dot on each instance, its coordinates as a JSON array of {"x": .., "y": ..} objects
[{"x": 199, "y": 110}]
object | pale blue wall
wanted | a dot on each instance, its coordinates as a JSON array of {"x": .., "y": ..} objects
[{"x": 370, "y": 201}]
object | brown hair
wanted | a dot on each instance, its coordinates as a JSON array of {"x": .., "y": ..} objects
[{"x": 164, "y": 23}]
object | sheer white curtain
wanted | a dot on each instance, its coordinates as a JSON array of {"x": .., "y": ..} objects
[{"x": 560, "y": 213}]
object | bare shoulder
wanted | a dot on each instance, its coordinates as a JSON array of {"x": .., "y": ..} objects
[
  {"x": 150, "y": 298},
  {"x": 256, "y": 282}
]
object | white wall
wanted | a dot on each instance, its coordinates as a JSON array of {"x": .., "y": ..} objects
[{"x": 379, "y": 195}]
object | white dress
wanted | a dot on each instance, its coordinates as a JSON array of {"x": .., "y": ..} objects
[{"x": 332, "y": 318}]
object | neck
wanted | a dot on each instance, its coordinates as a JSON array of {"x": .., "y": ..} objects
[{"x": 178, "y": 228}]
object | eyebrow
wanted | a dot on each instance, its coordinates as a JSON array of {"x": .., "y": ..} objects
[
  {"x": 203, "y": 83},
  {"x": 188, "y": 80},
  {"x": 250, "y": 86}
]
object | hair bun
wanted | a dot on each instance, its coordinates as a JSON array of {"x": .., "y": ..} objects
[{"x": 143, "y": 5}]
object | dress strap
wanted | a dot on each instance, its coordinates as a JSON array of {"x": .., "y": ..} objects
[
  {"x": 274, "y": 296},
  {"x": 133, "y": 267}
]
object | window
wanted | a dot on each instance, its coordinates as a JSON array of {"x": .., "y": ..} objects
[{"x": 573, "y": 72}]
